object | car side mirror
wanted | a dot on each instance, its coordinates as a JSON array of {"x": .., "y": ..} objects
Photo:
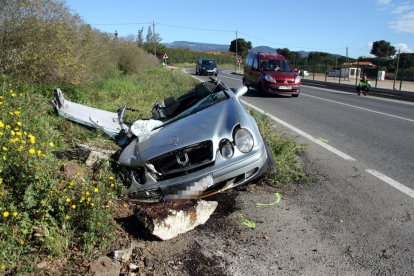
[{"x": 240, "y": 91}]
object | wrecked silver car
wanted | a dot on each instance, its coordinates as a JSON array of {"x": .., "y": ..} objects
[{"x": 199, "y": 144}]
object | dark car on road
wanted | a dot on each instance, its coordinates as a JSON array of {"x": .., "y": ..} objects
[
  {"x": 271, "y": 73},
  {"x": 206, "y": 66}
]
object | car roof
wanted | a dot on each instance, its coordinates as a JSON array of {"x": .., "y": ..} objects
[{"x": 271, "y": 56}]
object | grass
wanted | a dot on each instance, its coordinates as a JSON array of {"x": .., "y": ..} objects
[{"x": 45, "y": 214}]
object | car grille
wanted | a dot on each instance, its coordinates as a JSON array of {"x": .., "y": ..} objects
[
  {"x": 285, "y": 82},
  {"x": 184, "y": 160}
]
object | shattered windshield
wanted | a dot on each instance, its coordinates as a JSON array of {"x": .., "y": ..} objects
[
  {"x": 206, "y": 102},
  {"x": 275, "y": 65}
]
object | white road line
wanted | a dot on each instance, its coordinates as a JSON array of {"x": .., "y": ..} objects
[
  {"x": 392, "y": 182},
  {"x": 222, "y": 76},
  {"x": 304, "y": 134},
  {"x": 357, "y": 107}
]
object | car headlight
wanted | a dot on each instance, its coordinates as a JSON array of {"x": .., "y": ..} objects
[
  {"x": 297, "y": 79},
  {"x": 269, "y": 78},
  {"x": 243, "y": 140},
  {"x": 226, "y": 149}
]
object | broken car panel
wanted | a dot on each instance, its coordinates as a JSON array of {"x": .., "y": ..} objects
[{"x": 202, "y": 143}]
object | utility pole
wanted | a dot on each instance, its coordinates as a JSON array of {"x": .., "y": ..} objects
[
  {"x": 237, "y": 57},
  {"x": 153, "y": 38},
  {"x": 396, "y": 70}
]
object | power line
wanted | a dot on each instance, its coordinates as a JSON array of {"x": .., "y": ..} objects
[
  {"x": 118, "y": 24},
  {"x": 218, "y": 30}
]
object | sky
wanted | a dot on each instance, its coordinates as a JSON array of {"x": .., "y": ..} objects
[{"x": 344, "y": 27}]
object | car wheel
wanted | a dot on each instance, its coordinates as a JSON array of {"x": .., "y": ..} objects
[
  {"x": 261, "y": 88},
  {"x": 196, "y": 72},
  {"x": 295, "y": 95},
  {"x": 245, "y": 83}
]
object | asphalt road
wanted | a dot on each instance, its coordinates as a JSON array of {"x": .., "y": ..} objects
[{"x": 363, "y": 149}]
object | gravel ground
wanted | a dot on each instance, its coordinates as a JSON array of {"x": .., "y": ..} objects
[{"x": 289, "y": 238}]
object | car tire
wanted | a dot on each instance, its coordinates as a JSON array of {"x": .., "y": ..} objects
[
  {"x": 260, "y": 88},
  {"x": 245, "y": 83},
  {"x": 295, "y": 95}
]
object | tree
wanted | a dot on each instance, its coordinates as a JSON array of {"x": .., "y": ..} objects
[
  {"x": 291, "y": 56},
  {"x": 243, "y": 46},
  {"x": 382, "y": 49},
  {"x": 140, "y": 39},
  {"x": 152, "y": 43}
]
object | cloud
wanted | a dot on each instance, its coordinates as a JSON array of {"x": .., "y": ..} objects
[
  {"x": 404, "y": 24},
  {"x": 403, "y": 48},
  {"x": 405, "y": 7}
]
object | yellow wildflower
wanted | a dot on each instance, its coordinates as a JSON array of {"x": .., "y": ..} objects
[
  {"x": 1, "y": 124},
  {"x": 17, "y": 112},
  {"x": 111, "y": 178},
  {"x": 12, "y": 133},
  {"x": 11, "y": 113},
  {"x": 73, "y": 206},
  {"x": 4, "y": 148},
  {"x": 32, "y": 151},
  {"x": 112, "y": 185},
  {"x": 20, "y": 148},
  {"x": 51, "y": 144},
  {"x": 15, "y": 214},
  {"x": 6, "y": 214},
  {"x": 19, "y": 123},
  {"x": 32, "y": 139},
  {"x": 92, "y": 204},
  {"x": 96, "y": 190},
  {"x": 18, "y": 133},
  {"x": 1, "y": 180},
  {"x": 67, "y": 217},
  {"x": 4, "y": 158},
  {"x": 8, "y": 127},
  {"x": 89, "y": 199},
  {"x": 1, "y": 133},
  {"x": 2, "y": 267},
  {"x": 87, "y": 193},
  {"x": 67, "y": 199},
  {"x": 39, "y": 152},
  {"x": 22, "y": 242},
  {"x": 13, "y": 94}
]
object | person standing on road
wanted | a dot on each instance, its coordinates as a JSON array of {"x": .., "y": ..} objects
[{"x": 363, "y": 86}]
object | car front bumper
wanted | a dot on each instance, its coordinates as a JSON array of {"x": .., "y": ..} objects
[
  {"x": 280, "y": 89},
  {"x": 221, "y": 176},
  {"x": 208, "y": 71}
]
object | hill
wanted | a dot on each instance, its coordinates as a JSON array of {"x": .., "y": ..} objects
[{"x": 198, "y": 47}]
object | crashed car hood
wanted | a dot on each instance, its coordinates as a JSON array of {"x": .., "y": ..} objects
[{"x": 217, "y": 120}]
